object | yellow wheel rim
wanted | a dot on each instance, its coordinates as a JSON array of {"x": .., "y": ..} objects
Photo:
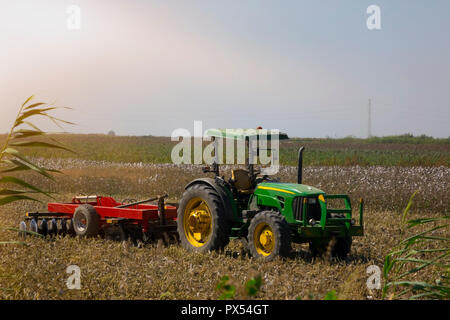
[
  {"x": 264, "y": 239},
  {"x": 197, "y": 222}
]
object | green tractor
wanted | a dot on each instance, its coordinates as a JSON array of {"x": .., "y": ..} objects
[{"x": 265, "y": 214}]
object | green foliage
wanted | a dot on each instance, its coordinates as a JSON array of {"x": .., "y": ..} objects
[
  {"x": 23, "y": 135},
  {"x": 253, "y": 285},
  {"x": 228, "y": 290},
  {"x": 408, "y": 207},
  {"x": 12, "y": 242},
  {"x": 331, "y": 295},
  {"x": 420, "y": 252}
]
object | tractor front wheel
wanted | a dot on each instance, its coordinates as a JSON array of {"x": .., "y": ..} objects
[
  {"x": 269, "y": 236},
  {"x": 336, "y": 247},
  {"x": 341, "y": 247},
  {"x": 318, "y": 248}
]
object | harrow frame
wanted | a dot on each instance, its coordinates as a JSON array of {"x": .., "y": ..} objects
[{"x": 152, "y": 220}]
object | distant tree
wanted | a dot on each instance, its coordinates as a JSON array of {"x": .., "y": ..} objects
[
  {"x": 408, "y": 135},
  {"x": 111, "y": 133}
]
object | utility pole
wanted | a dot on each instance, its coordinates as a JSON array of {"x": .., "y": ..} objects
[{"x": 369, "y": 119}]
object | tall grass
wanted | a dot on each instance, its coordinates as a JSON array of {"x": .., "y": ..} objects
[
  {"x": 419, "y": 253},
  {"x": 22, "y": 135}
]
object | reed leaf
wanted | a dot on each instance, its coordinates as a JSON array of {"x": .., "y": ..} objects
[
  {"x": 415, "y": 222},
  {"x": 8, "y": 192},
  {"x": 20, "y": 182},
  {"x": 408, "y": 206},
  {"x": 9, "y": 199},
  {"x": 38, "y": 144},
  {"x": 22, "y": 136},
  {"x": 25, "y": 231},
  {"x": 34, "y": 105},
  {"x": 56, "y": 120},
  {"x": 13, "y": 242},
  {"x": 34, "y": 112},
  {"x": 26, "y": 133},
  {"x": 26, "y": 165},
  {"x": 31, "y": 125},
  {"x": 413, "y": 255}
]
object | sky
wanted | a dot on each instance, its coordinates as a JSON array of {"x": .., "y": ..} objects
[{"x": 307, "y": 68}]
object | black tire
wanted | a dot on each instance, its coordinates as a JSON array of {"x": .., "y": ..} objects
[
  {"x": 220, "y": 226},
  {"x": 115, "y": 233},
  {"x": 280, "y": 230},
  {"x": 86, "y": 221},
  {"x": 342, "y": 247},
  {"x": 318, "y": 249},
  {"x": 336, "y": 247}
]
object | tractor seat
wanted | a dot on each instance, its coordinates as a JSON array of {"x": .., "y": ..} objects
[{"x": 242, "y": 181}]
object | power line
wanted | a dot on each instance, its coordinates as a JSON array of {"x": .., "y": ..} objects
[{"x": 369, "y": 119}]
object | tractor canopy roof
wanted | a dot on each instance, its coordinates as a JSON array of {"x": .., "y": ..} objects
[{"x": 242, "y": 134}]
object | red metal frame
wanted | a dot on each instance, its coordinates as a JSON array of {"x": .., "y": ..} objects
[{"x": 106, "y": 207}]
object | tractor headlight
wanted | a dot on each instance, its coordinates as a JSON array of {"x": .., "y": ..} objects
[
  {"x": 353, "y": 222},
  {"x": 312, "y": 222}
]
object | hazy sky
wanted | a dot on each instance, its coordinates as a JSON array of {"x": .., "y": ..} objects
[{"x": 307, "y": 68}]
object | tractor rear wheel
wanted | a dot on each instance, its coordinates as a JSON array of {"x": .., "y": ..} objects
[
  {"x": 202, "y": 222},
  {"x": 86, "y": 221},
  {"x": 269, "y": 236}
]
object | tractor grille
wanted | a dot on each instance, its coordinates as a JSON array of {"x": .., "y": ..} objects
[
  {"x": 297, "y": 207},
  {"x": 312, "y": 211}
]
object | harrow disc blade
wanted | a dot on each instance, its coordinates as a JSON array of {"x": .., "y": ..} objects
[
  {"x": 63, "y": 229},
  {"x": 53, "y": 227},
  {"x": 70, "y": 229},
  {"x": 43, "y": 229},
  {"x": 23, "y": 229},
  {"x": 33, "y": 226}
]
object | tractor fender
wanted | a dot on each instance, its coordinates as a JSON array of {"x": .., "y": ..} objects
[{"x": 224, "y": 194}]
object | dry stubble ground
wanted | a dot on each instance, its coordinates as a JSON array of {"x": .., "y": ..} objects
[{"x": 111, "y": 270}]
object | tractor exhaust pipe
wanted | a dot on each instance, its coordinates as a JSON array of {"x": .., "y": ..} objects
[{"x": 300, "y": 165}]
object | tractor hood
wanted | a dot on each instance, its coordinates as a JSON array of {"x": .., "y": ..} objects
[{"x": 287, "y": 188}]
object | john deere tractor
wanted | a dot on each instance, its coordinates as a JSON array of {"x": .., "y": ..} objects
[{"x": 265, "y": 214}]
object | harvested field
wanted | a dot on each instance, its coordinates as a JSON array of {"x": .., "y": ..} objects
[
  {"x": 383, "y": 188},
  {"x": 113, "y": 270}
]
